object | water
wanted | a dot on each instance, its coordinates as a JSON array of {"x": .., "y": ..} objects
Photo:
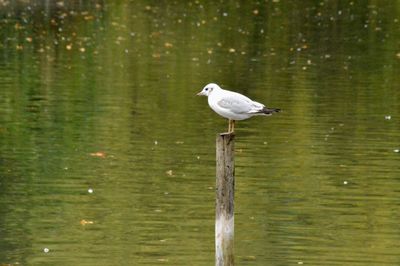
[{"x": 108, "y": 157}]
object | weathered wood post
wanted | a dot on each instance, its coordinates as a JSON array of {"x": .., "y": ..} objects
[{"x": 225, "y": 190}]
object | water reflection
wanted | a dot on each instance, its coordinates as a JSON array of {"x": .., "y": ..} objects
[{"x": 102, "y": 96}]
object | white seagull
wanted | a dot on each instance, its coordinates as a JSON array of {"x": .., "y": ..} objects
[{"x": 233, "y": 105}]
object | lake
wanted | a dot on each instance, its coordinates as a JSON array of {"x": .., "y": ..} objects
[{"x": 107, "y": 156}]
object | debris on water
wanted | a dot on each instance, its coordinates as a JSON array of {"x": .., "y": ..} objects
[
  {"x": 179, "y": 142},
  {"x": 300, "y": 263},
  {"x": 388, "y": 117},
  {"x": 265, "y": 143},
  {"x": 155, "y": 142},
  {"x": 98, "y": 154},
  {"x": 90, "y": 190},
  {"x": 46, "y": 250},
  {"x": 170, "y": 173},
  {"x": 85, "y": 222},
  {"x": 396, "y": 150},
  {"x": 345, "y": 182},
  {"x": 198, "y": 157},
  {"x": 232, "y": 50}
]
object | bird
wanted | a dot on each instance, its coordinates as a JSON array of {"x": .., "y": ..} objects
[{"x": 232, "y": 105}]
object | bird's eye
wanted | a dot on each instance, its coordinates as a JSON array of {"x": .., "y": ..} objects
[{"x": 206, "y": 89}]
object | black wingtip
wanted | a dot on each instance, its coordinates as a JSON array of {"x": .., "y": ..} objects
[{"x": 269, "y": 111}]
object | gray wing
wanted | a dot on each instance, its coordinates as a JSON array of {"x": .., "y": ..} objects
[{"x": 238, "y": 103}]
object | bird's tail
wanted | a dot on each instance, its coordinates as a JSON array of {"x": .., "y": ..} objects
[{"x": 270, "y": 111}]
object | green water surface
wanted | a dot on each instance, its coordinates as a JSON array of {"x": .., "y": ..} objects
[{"x": 107, "y": 157}]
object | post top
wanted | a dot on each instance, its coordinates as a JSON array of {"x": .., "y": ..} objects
[{"x": 230, "y": 134}]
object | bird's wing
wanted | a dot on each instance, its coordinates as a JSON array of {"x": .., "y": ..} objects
[
  {"x": 258, "y": 105},
  {"x": 238, "y": 103}
]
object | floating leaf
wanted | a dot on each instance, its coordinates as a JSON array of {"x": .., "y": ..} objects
[
  {"x": 98, "y": 154},
  {"x": 86, "y": 222}
]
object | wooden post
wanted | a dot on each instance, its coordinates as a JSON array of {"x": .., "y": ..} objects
[{"x": 224, "y": 216}]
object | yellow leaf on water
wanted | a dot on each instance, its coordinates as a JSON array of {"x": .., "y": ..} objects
[
  {"x": 98, "y": 154},
  {"x": 85, "y": 222}
]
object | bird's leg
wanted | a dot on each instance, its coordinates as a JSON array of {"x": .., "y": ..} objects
[{"x": 231, "y": 126}]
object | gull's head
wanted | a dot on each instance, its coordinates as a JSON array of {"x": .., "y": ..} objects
[{"x": 208, "y": 89}]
